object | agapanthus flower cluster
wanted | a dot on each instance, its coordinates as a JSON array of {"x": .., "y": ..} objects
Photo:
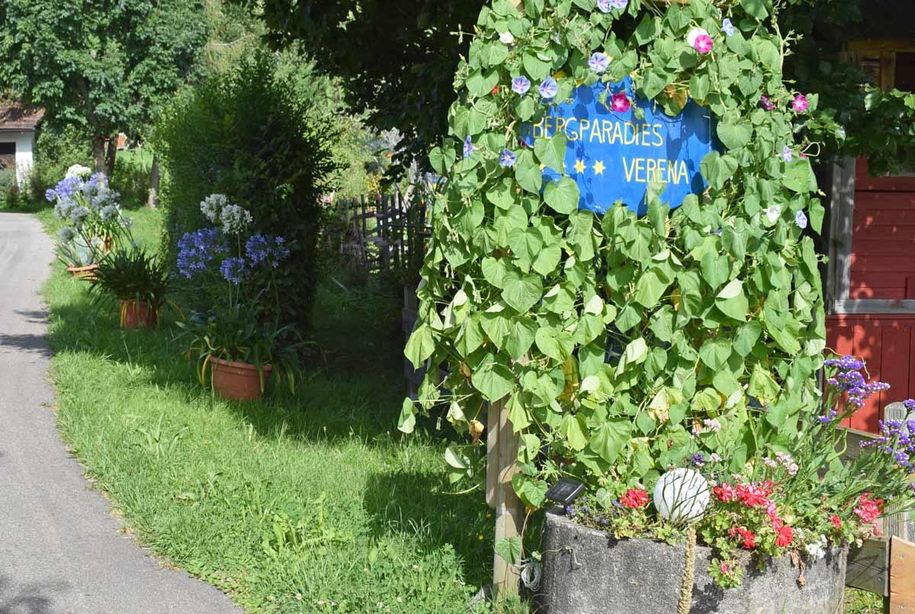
[
  {"x": 897, "y": 440},
  {"x": 266, "y": 249},
  {"x": 231, "y": 218},
  {"x": 197, "y": 250}
]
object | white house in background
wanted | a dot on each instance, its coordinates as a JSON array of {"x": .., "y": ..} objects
[{"x": 17, "y": 138}]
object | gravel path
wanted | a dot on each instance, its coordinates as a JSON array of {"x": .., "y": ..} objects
[{"x": 61, "y": 551}]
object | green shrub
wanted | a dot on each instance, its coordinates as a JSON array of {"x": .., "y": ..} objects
[
  {"x": 131, "y": 177},
  {"x": 57, "y": 148},
  {"x": 249, "y": 135},
  {"x": 9, "y": 189}
]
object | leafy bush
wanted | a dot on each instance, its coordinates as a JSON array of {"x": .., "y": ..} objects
[
  {"x": 9, "y": 188},
  {"x": 131, "y": 176},
  {"x": 250, "y": 135},
  {"x": 57, "y": 148}
]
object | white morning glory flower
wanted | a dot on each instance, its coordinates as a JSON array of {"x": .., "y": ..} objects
[{"x": 773, "y": 213}]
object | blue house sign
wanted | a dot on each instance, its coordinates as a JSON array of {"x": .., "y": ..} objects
[{"x": 614, "y": 156}]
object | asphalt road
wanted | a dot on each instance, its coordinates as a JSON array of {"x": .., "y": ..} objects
[{"x": 61, "y": 551}]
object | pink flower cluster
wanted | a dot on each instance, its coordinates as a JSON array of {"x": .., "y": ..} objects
[{"x": 755, "y": 496}]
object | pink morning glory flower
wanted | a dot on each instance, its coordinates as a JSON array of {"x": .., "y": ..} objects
[
  {"x": 700, "y": 40},
  {"x": 549, "y": 88},
  {"x": 620, "y": 103},
  {"x": 599, "y": 62},
  {"x": 766, "y": 103},
  {"x": 800, "y": 104},
  {"x": 787, "y": 155},
  {"x": 800, "y": 218},
  {"x": 728, "y": 27},
  {"x": 520, "y": 85}
]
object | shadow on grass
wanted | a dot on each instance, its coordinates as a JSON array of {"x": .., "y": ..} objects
[{"x": 421, "y": 506}]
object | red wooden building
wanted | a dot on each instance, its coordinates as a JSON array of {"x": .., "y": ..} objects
[{"x": 870, "y": 285}]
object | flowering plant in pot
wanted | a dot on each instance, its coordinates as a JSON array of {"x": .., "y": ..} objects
[
  {"x": 93, "y": 221},
  {"x": 137, "y": 280},
  {"x": 237, "y": 341}
]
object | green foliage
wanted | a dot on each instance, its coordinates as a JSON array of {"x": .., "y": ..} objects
[
  {"x": 132, "y": 274},
  {"x": 9, "y": 189},
  {"x": 251, "y": 135},
  {"x": 131, "y": 176},
  {"x": 57, "y": 148},
  {"x": 605, "y": 335},
  {"x": 103, "y": 67}
]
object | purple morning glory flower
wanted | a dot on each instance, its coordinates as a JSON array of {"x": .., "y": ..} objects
[
  {"x": 766, "y": 103},
  {"x": 599, "y": 62},
  {"x": 508, "y": 158},
  {"x": 468, "y": 147},
  {"x": 800, "y": 218},
  {"x": 606, "y": 6},
  {"x": 549, "y": 88},
  {"x": 728, "y": 27},
  {"x": 520, "y": 85},
  {"x": 787, "y": 155}
]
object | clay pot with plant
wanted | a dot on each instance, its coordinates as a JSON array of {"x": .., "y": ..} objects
[{"x": 137, "y": 281}]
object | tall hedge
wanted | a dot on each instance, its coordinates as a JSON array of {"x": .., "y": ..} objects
[
  {"x": 614, "y": 338},
  {"x": 252, "y": 134}
]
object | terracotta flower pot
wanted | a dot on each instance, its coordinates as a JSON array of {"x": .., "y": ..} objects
[
  {"x": 238, "y": 381},
  {"x": 138, "y": 314},
  {"x": 83, "y": 272}
]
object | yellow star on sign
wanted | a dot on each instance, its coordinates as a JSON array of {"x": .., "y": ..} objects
[
  {"x": 579, "y": 166},
  {"x": 599, "y": 167},
  {"x": 543, "y": 167}
]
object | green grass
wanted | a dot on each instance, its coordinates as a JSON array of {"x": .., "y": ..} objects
[{"x": 292, "y": 505}]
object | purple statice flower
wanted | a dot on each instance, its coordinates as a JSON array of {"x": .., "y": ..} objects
[
  {"x": 728, "y": 27},
  {"x": 198, "y": 249},
  {"x": 233, "y": 270},
  {"x": 909, "y": 405},
  {"x": 468, "y": 147},
  {"x": 896, "y": 441},
  {"x": 845, "y": 363},
  {"x": 698, "y": 459},
  {"x": 599, "y": 62},
  {"x": 548, "y": 88},
  {"x": 266, "y": 249},
  {"x": 521, "y": 85},
  {"x": 800, "y": 220},
  {"x": 507, "y": 158},
  {"x": 829, "y": 417}
]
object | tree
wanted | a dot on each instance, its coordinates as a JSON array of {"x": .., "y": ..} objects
[
  {"x": 405, "y": 82},
  {"x": 107, "y": 66}
]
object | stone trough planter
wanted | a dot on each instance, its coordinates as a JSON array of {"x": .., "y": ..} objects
[{"x": 588, "y": 572}]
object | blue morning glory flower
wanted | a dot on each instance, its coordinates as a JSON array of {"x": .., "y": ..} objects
[
  {"x": 520, "y": 85},
  {"x": 800, "y": 218},
  {"x": 728, "y": 27},
  {"x": 468, "y": 147},
  {"x": 508, "y": 158},
  {"x": 549, "y": 88},
  {"x": 599, "y": 62},
  {"x": 787, "y": 155}
]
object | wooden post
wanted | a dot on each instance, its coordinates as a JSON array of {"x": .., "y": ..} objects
[{"x": 501, "y": 466}]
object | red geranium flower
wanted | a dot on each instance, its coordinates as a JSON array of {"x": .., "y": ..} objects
[
  {"x": 752, "y": 495},
  {"x": 725, "y": 493},
  {"x": 634, "y": 498},
  {"x": 784, "y": 534},
  {"x": 748, "y": 536},
  {"x": 868, "y": 510}
]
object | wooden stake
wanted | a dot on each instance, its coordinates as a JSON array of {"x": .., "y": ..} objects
[{"x": 502, "y": 465}]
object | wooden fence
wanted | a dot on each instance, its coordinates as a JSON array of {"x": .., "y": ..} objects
[{"x": 381, "y": 235}]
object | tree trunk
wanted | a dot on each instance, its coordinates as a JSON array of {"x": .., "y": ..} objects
[
  {"x": 153, "y": 200},
  {"x": 98, "y": 153},
  {"x": 111, "y": 156}
]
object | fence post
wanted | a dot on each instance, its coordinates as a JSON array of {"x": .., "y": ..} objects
[{"x": 501, "y": 466}]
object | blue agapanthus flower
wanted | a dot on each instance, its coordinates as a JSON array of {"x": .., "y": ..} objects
[
  {"x": 198, "y": 249},
  {"x": 266, "y": 249},
  {"x": 599, "y": 62},
  {"x": 507, "y": 158},
  {"x": 234, "y": 270},
  {"x": 65, "y": 189}
]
